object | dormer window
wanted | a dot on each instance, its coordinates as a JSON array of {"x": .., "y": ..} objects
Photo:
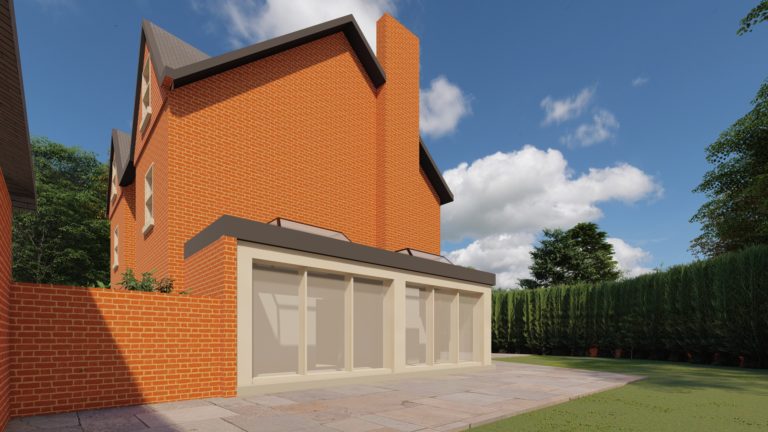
[
  {"x": 146, "y": 95},
  {"x": 114, "y": 182},
  {"x": 149, "y": 213}
]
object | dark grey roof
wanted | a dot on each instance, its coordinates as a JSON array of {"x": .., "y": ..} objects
[
  {"x": 168, "y": 51},
  {"x": 433, "y": 174},
  {"x": 347, "y": 24},
  {"x": 15, "y": 148},
  {"x": 271, "y": 235},
  {"x": 121, "y": 152}
]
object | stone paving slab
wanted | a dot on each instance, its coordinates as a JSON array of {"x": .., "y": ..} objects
[{"x": 451, "y": 402}]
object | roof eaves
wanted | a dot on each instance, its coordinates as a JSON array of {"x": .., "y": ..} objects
[
  {"x": 433, "y": 174},
  {"x": 19, "y": 170}
]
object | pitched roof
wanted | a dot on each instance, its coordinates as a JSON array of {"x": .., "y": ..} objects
[
  {"x": 183, "y": 64},
  {"x": 15, "y": 147},
  {"x": 168, "y": 51},
  {"x": 347, "y": 24},
  {"x": 433, "y": 174},
  {"x": 121, "y": 152}
]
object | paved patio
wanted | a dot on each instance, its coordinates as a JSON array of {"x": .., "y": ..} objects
[{"x": 446, "y": 402}]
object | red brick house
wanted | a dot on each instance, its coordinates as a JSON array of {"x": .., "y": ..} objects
[{"x": 288, "y": 180}]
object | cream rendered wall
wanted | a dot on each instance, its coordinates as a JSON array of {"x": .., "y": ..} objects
[{"x": 393, "y": 315}]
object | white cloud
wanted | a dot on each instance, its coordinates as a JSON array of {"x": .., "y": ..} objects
[
  {"x": 507, "y": 255},
  {"x": 630, "y": 258},
  {"x": 441, "y": 106},
  {"x": 603, "y": 127},
  {"x": 502, "y": 201},
  {"x": 249, "y": 21},
  {"x": 560, "y": 110},
  {"x": 531, "y": 189},
  {"x": 640, "y": 81}
]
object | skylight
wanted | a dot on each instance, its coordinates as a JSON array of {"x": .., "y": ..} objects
[{"x": 311, "y": 229}]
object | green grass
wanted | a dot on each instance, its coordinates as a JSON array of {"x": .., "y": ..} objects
[{"x": 674, "y": 397}]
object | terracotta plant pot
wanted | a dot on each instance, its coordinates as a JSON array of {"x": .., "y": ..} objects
[{"x": 592, "y": 351}]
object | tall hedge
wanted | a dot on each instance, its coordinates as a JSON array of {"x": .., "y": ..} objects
[{"x": 708, "y": 311}]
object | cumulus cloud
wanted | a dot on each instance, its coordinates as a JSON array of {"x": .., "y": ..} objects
[
  {"x": 531, "y": 189},
  {"x": 630, "y": 258},
  {"x": 507, "y": 255},
  {"x": 560, "y": 110},
  {"x": 502, "y": 201},
  {"x": 441, "y": 106},
  {"x": 640, "y": 81},
  {"x": 249, "y": 21},
  {"x": 603, "y": 127}
]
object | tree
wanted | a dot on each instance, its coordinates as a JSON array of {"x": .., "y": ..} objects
[
  {"x": 580, "y": 254},
  {"x": 755, "y": 16},
  {"x": 736, "y": 213},
  {"x": 66, "y": 240}
]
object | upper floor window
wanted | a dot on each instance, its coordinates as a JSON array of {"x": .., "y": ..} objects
[
  {"x": 146, "y": 95},
  {"x": 149, "y": 212},
  {"x": 115, "y": 243},
  {"x": 114, "y": 182}
]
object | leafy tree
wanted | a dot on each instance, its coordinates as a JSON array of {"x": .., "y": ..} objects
[
  {"x": 66, "y": 240},
  {"x": 736, "y": 213},
  {"x": 755, "y": 16},
  {"x": 580, "y": 254}
]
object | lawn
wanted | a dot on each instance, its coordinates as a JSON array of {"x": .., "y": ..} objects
[{"x": 673, "y": 397}]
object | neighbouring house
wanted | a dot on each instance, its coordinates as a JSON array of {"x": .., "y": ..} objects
[
  {"x": 288, "y": 179},
  {"x": 17, "y": 181}
]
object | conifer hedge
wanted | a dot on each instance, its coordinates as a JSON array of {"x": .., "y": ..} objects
[{"x": 713, "y": 311}]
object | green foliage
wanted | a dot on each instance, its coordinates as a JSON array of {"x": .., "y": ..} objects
[
  {"x": 755, "y": 16},
  {"x": 714, "y": 310},
  {"x": 736, "y": 213},
  {"x": 66, "y": 240},
  {"x": 147, "y": 283},
  {"x": 580, "y": 254}
]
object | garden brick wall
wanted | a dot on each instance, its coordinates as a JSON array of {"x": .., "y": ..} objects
[
  {"x": 79, "y": 348},
  {"x": 212, "y": 272},
  {"x": 5, "y": 291}
]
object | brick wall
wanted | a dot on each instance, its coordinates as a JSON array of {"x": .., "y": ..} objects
[
  {"x": 79, "y": 348},
  {"x": 300, "y": 135},
  {"x": 212, "y": 272},
  {"x": 5, "y": 287},
  {"x": 146, "y": 251},
  {"x": 123, "y": 216}
]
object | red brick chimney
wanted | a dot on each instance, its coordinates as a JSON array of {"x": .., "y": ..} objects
[{"x": 397, "y": 132}]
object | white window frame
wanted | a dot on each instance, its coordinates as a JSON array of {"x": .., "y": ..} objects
[
  {"x": 146, "y": 94},
  {"x": 114, "y": 183},
  {"x": 149, "y": 201},
  {"x": 115, "y": 245}
]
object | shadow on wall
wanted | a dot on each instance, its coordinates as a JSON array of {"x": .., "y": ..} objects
[{"x": 75, "y": 348}]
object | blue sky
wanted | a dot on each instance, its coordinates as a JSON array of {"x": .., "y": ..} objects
[{"x": 658, "y": 81}]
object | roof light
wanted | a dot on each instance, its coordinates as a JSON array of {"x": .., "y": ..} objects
[
  {"x": 311, "y": 229},
  {"x": 425, "y": 255}
]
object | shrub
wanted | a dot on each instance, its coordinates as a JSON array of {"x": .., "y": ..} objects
[
  {"x": 147, "y": 283},
  {"x": 707, "y": 311}
]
